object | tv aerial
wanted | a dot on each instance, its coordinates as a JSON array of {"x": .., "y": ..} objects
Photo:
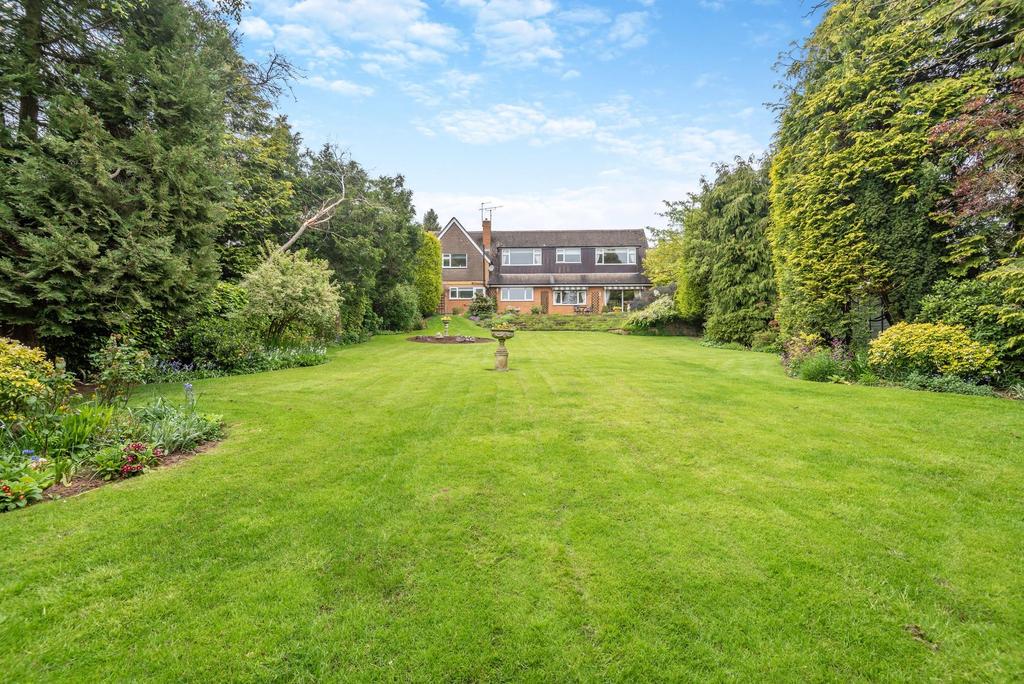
[{"x": 488, "y": 209}]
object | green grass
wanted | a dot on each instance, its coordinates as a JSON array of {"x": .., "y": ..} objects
[{"x": 614, "y": 508}]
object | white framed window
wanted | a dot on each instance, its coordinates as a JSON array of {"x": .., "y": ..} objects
[
  {"x": 568, "y": 255},
  {"x": 454, "y": 261},
  {"x": 464, "y": 292},
  {"x": 520, "y": 257},
  {"x": 571, "y": 297},
  {"x": 616, "y": 255},
  {"x": 517, "y": 294}
]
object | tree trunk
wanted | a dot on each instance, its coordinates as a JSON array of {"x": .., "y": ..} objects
[{"x": 31, "y": 40}]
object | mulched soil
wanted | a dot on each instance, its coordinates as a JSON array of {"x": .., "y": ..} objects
[
  {"x": 456, "y": 339},
  {"x": 84, "y": 482}
]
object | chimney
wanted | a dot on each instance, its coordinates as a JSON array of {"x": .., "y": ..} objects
[{"x": 487, "y": 236}]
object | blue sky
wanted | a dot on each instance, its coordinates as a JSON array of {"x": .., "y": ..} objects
[{"x": 569, "y": 114}]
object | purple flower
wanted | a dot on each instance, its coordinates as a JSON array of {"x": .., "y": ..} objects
[{"x": 27, "y": 452}]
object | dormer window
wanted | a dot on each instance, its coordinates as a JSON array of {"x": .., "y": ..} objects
[
  {"x": 568, "y": 255},
  {"x": 520, "y": 257},
  {"x": 615, "y": 255}
]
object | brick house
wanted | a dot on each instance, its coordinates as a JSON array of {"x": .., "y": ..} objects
[{"x": 559, "y": 271}]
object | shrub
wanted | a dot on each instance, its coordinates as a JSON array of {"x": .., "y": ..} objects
[
  {"x": 427, "y": 274},
  {"x": 291, "y": 296},
  {"x": 230, "y": 344},
  {"x": 482, "y": 306},
  {"x": 120, "y": 366},
  {"x": 661, "y": 311},
  {"x": 976, "y": 305},
  {"x": 399, "y": 308},
  {"x": 767, "y": 340},
  {"x": 536, "y": 310},
  {"x": 80, "y": 429},
  {"x": 27, "y": 380},
  {"x": 946, "y": 383},
  {"x": 457, "y": 310},
  {"x": 930, "y": 349},
  {"x": 820, "y": 367},
  {"x": 738, "y": 326},
  {"x": 798, "y": 349}
]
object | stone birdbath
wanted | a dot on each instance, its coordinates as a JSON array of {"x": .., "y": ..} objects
[
  {"x": 501, "y": 354},
  {"x": 446, "y": 320}
]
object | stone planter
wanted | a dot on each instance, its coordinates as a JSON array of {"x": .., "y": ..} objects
[{"x": 501, "y": 354}]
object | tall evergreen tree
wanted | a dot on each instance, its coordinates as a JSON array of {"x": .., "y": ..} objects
[
  {"x": 113, "y": 185},
  {"x": 726, "y": 274},
  {"x": 430, "y": 221}
]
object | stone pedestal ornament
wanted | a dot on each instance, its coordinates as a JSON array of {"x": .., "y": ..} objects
[
  {"x": 501, "y": 354},
  {"x": 446, "y": 320}
]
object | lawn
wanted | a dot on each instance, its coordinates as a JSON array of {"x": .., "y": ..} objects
[{"x": 615, "y": 507}]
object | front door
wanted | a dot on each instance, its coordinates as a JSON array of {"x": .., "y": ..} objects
[{"x": 545, "y": 300}]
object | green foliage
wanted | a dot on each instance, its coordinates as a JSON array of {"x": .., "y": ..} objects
[
  {"x": 122, "y": 461},
  {"x": 174, "y": 428},
  {"x": 931, "y": 349},
  {"x": 15, "y": 494},
  {"x": 427, "y": 274},
  {"x": 724, "y": 266},
  {"x": 27, "y": 379},
  {"x": 945, "y": 383},
  {"x": 431, "y": 224},
  {"x": 573, "y": 322},
  {"x": 856, "y": 177},
  {"x": 660, "y": 312},
  {"x": 482, "y": 306},
  {"x": 819, "y": 367},
  {"x": 120, "y": 368},
  {"x": 291, "y": 296},
  {"x": 399, "y": 309},
  {"x": 265, "y": 168},
  {"x": 978, "y": 305},
  {"x": 113, "y": 190}
]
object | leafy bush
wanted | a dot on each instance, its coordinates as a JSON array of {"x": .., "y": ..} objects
[
  {"x": 427, "y": 274},
  {"x": 976, "y": 305},
  {"x": 229, "y": 344},
  {"x": 173, "y": 428},
  {"x": 536, "y": 310},
  {"x": 80, "y": 429},
  {"x": 738, "y": 326},
  {"x": 931, "y": 349},
  {"x": 290, "y": 296},
  {"x": 661, "y": 311},
  {"x": 120, "y": 366},
  {"x": 27, "y": 380},
  {"x": 482, "y": 306},
  {"x": 399, "y": 308},
  {"x": 820, "y": 367},
  {"x": 767, "y": 340},
  {"x": 946, "y": 383}
]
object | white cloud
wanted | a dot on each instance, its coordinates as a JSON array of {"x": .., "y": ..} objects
[
  {"x": 256, "y": 27},
  {"x": 612, "y": 128},
  {"x": 396, "y": 33},
  {"x": 340, "y": 86},
  {"x": 570, "y": 74},
  {"x": 613, "y": 202},
  {"x": 629, "y": 30}
]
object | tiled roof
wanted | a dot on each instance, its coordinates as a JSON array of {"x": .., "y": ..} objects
[
  {"x": 541, "y": 279},
  {"x": 564, "y": 238}
]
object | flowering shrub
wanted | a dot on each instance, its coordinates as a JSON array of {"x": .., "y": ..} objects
[
  {"x": 931, "y": 349},
  {"x": 125, "y": 461}
]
